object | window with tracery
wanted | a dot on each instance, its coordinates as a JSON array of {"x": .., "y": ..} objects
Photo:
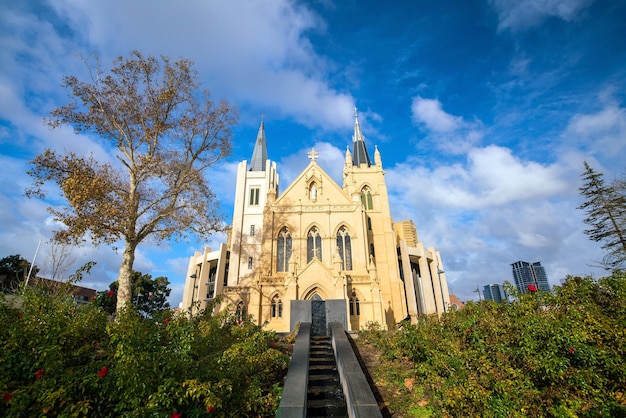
[
  {"x": 313, "y": 245},
  {"x": 283, "y": 253},
  {"x": 240, "y": 313},
  {"x": 366, "y": 198},
  {"x": 277, "y": 307},
  {"x": 344, "y": 247},
  {"x": 355, "y": 306}
]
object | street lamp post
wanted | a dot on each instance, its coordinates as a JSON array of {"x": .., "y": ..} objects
[{"x": 443, "y": 300}]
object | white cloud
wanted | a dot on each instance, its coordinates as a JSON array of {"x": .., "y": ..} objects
[
  {"x": 449, "y": 133},
  {"x": 492, "y": 176},
  {"x": 602, "y": 133},
  {"x": 430, "y": 113},
  {"x": 264, "y": 57},
  {"x": 522, "y": 14}
]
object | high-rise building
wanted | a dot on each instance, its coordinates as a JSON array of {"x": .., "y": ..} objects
[
  {"x": 526, "y": 274},
  {"x": 318, "y": 242},
  {"x": 495, "y": 292}
]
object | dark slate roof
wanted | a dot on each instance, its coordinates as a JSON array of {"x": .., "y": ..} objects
[
  {"x": 259, "y": 155},
  {"x": 359, "y": 154}
]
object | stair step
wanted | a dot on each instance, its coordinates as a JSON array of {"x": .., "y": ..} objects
[{"x": 324, "y": 393}]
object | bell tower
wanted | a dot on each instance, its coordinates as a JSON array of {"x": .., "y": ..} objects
[{"x": 257, "y": 182}]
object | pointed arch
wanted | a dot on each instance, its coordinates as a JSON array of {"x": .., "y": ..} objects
[
  {"x": 277, "y": 307},
  {"x": 283, "y": 252},
  {"x": 354, "y": 304},
  {"x": 344, "y": 247},
  {"x": 366, "y": 198},
  {"x": 313, "y": 191},
  {"x": 241, "y": 312},
  {"x": 314, "y": 293},
  {"x": 313, "y": 244}
]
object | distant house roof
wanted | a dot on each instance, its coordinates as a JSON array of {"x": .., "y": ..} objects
[{"x": 456, "y": 302}]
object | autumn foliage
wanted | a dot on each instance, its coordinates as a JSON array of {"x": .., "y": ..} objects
[{"x": 160, "y": 132}]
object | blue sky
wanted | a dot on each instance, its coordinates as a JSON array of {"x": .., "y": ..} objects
[{"x": 483, "y": 111}]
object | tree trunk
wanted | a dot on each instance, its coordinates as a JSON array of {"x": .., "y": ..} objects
[{"x": 124, "y": 277}]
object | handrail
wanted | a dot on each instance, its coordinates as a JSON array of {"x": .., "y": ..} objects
[
  {"x": 360, "y": 399},
  {"x": 293, "y": 400}
]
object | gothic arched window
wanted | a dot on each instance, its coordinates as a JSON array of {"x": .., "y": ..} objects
[
  {"x": 240, "y": 313},
  {"x": 277, "y": 307},
  {"x": 284, "y": 250},
  {"x": 355, "y": 306},
  {"x": 313, "y": 245},
  {"x": 366, "y": 198},
  {"x": 344, "y": 247},
  {"x": 313, "y": 191}
]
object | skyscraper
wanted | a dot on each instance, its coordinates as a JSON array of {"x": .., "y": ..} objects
[
  {"x": 526, "y": 274},
  {"x": 494, "y": 292}
]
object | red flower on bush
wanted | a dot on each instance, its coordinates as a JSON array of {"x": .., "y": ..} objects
[
  {"x": 467, "y": 331},
  {"x": 39, "y": 374},
  {"x": 103, "y": 371},
  {"x": 272, "y": 344},
  {"x": 7, "y": 397},
  {"x": 111, "y": 293},
  {"x": 176, "y": 415},
  {"x": 532, "y": 288},
  {"x": 210, "y": 409},
  {"x": 166, "y": 320},
  {"x": 571, "y": 350}
]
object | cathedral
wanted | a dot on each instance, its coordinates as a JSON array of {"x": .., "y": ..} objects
[{"x": 317, "y": 241}]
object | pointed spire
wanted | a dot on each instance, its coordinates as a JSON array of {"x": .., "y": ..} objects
[
  {"x": 259, "y": 155},
  {"x": 359, "y": 155}
]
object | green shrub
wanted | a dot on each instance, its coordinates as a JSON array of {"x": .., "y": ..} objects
[
  {"x": 558, "y": 353},
  {"x": 58, "y": 358}
]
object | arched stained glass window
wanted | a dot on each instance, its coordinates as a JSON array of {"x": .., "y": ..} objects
[
  {"x": 344, "y": 246},
  {"x": 283, "y": 253},
  {"x": 313, "y": 245},
  {"x": 366, "y": 198}
]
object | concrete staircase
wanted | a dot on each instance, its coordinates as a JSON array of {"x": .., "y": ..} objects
[
  {"x": 324, "y": 393},
  {"x": 325, "y": 379}
]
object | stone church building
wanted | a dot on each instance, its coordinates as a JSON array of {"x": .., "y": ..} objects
[{"x": 318, "y": 241}]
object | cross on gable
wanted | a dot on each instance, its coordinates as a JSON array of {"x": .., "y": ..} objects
[{"x": 313, "y": 154}]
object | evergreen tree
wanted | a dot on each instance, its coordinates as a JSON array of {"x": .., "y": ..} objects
[
  {"x": 13, "y": 271},
  {"x": 148, "y": 295},
  {"x": 605, "y": 208}
]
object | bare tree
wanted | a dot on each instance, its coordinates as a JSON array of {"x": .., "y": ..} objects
[
  {"x": 165, "y": 132},
  {"x": 58, "y": 260}
]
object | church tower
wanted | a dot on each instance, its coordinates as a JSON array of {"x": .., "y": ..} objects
[
  {"x": 365, "y": 183},
  {"x": 257, "y": 183}
]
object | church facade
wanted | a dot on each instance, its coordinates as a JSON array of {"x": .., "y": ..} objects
[{"x": 317, "y": 240}]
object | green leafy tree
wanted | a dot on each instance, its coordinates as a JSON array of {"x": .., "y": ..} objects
[
  {"x": 148, "y": 295},
  {"x": 605, "y": 208},
  {"x": 165, "y": 132},
  {"x": 13, "y": 271}
]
